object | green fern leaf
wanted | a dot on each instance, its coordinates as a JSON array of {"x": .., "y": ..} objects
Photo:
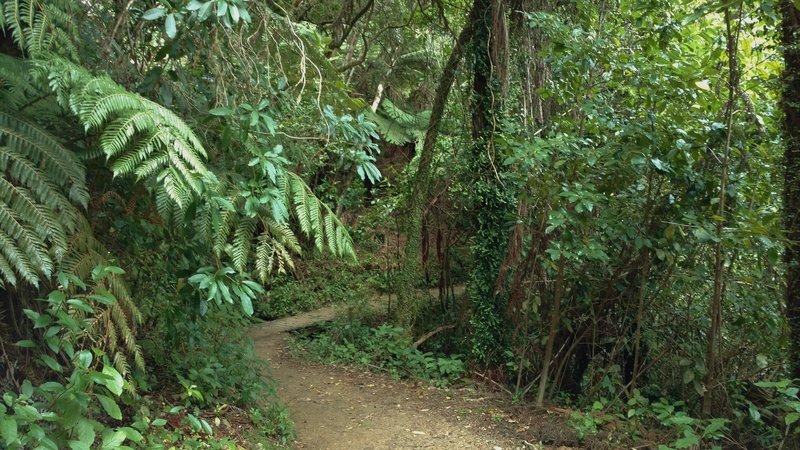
[{"x": 243, "y": 239}]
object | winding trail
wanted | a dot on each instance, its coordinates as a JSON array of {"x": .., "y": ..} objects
[{"x": 336, "y": 408}]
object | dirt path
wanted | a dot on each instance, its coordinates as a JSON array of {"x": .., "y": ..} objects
[{"x": 336, "y": 408}]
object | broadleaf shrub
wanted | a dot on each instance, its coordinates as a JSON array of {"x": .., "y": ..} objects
[{"x": 385, "y": 348}]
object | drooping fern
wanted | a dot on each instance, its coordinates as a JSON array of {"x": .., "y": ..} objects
[
  {"x": 114, "y": 326},
  {"x": 315, "y": 218},
  {"x": 274, "y": 249},
  {"x": 397, "y": 126},
  {"x": 269, "y": 241},
  {"x": 41, "y": 182},
  {"x": 138, "y": 136},
  {"x": 39, "y": 27},
  {"x": 239, "y": 234}
]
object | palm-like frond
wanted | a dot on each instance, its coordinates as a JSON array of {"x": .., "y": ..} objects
[
  {"x": 114, "y": 326},
  {"x": 398, "y": 126},
  {"x": 40, "y": 27},
  {"x": 316, "y": 219},
  {"x": 138, "y": 136},
  {"x": 40, "y": 184},
  {"x": 269, "y": 241}
]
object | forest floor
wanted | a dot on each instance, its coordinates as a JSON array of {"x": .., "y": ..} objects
[{"x": 347, "y": 408}]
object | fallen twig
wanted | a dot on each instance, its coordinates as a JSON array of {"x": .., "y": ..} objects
[{"x": 430, "y": 334}]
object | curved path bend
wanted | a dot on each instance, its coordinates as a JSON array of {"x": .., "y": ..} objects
[{"x": 346, "y": 409}]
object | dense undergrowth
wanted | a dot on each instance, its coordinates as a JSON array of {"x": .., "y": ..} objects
[
  {"x": 143, "y": 207},
  {"x": 319, "y": 282},
  {"x": 187, "y": 399},
  {"x": 363, "y": 339},
  {"x": 383, "y": 348}
]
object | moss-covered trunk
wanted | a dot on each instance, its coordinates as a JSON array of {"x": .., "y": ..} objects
[
  {"x": 492, "y": 201},
  {"x": 411, "y": 270}
]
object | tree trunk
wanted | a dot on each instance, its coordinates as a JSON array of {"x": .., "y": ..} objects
[
  {"x": 791, "y": 196},
  {"x": 420, "y": 195},
  {"x": 492, "y": 201},
  {"x": 714, "y": 337},
  {"x": 555, "y": 318}
]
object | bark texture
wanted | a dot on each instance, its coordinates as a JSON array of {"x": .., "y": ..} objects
[{"x": 420, "y": 196}]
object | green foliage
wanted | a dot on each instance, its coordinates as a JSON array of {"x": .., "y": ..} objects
[
  {"x": 275, "y": 422},
  {"x": 211, "y": 357},
  {"x": 69, "y": 412},
  {"x": 228, "y": 13},
  {"x": 397, "y": 126},
  {"x": 256, "y": 219},
  {"x": 224, "y": 285},
  {"x": 777, "y": 416},
  {"x": 385, "y": 348},
  {"x": 240, "y": 123},
  {"x": 679, "y": 430},
  {"x": 115, "y": 326},
  {"x": 76, "y": 94},
  {"x": 41, "y": 185},
  {"x": 322, "y": 281},
  {"x": 354, "y": 144},
  {"x": 40, "y": 27},
  {"x": 138, "y": 136},
  {"x": 165, "y": 426}
]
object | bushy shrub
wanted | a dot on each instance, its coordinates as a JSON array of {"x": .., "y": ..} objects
[
  {"x": 330, "y": 282},
  {"x": 385, "y": 348}
]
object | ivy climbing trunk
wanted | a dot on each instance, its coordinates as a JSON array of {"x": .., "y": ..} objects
[
  {"x": 420, "y": 195},
  {"x": 791, "y": 195},
  {"x": 492, "y": 200}
]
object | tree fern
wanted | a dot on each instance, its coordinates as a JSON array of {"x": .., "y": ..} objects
[
  {"x": 138, "y": 136},
  {"x": 41, "y": 182},
  {"x": 40, "y": 27},
  {"x": 397, "y": 126}
]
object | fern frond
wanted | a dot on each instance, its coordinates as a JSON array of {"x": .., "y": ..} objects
[
  {"x": 223, "y": 231},
  {"x": 242, "y": 241},
  {"x": 6, "y": 271},
  {"x": 40, "y": 183},
  {"x": 16, "y": 85},
  {"x": 39, "y": 27},
  {"x": 264, "y": 257},
  {"x": 46, "y": 151},
  {"x": 316, "y": 219},
  {"x": 282, "y": 233},
  {"x": 15, "y": 258},
  {"x": 397, "y": 126},
  {"x": 138, "y": 136},
  {"x": 114, "y": 324},
  {"x": 276, "y": 242},
  {"x": 330, "y": 232},
  {"x": 300, "y": 197}
]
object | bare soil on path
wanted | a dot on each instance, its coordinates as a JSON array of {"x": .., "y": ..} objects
[{"x": 337, "y": 408}]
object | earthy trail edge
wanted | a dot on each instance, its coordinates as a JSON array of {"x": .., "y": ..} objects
[{"x": 335, "y": 408}]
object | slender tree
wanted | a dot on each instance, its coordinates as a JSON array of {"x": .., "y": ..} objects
[
  {"x": 420, "y": 196},
  {"x": 715, "y": 310}
]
